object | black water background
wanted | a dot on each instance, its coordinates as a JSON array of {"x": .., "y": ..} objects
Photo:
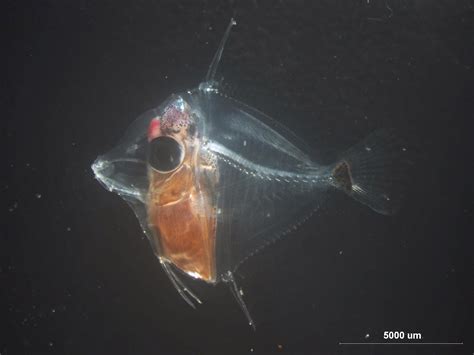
[{"x": 78, "y": 277}]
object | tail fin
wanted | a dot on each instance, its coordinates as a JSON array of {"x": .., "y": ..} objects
[{"x": 374, "y": 172}]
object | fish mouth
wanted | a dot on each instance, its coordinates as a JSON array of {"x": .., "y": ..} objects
[
  {"x": 103, "y": 171},
  {"x": 124, "y": 176}
]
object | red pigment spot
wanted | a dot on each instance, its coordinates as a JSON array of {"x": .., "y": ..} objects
[{"x": 154, "y": 129}]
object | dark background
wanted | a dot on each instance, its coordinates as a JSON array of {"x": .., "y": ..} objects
[{"x": 77, "y": 275}]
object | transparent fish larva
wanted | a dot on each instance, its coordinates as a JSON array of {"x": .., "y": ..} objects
[{"x": 210, "y": 179}]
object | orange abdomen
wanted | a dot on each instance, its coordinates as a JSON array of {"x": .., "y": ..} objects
[{"x": 184, "y": 223}]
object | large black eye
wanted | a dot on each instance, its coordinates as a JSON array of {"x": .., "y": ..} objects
[{"x": 165, "y": 154}]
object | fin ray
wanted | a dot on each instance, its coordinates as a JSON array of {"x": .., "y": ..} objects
[
  {"x": 211, "y": 73},
  {"x": 374, "y": 172}
]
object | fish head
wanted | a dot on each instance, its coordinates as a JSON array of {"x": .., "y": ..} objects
[
  {"x": 160, "y": 168},
  {"x": 162, "y": 140}
]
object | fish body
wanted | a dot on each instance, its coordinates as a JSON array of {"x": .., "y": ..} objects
[{"x": 213, "y": 181}]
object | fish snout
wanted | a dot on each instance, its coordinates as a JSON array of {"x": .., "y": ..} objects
[{"x": 125, "y": 176}]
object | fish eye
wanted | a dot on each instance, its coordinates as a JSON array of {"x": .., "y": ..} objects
[{"x": 165, "y": 154}]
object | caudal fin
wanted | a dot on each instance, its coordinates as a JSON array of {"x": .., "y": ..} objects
[{"x": 374, "y": 172}]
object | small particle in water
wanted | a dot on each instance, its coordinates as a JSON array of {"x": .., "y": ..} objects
[
  {"x": 68, "y": 229},
  {"x": 73, "y": 144},
  {"x": 53, "y": 310},
  {"x": 404, "y": 149},
  {"x": 245, "y": 143},
  {"x": 268, "y": 215},
  {"x": 51, "y": 343},
  {"x": 13, "y": 207},
  {"x": 368, "y": 149},
  {"x": 367, "y": 336},
  {"x": 280, "y": 346},
  {"x": 38, "y": 196},
  {"x": 340, "y": 252},
  {"x": 27, "y": 165},
  {"x": 251, "y": 350}
]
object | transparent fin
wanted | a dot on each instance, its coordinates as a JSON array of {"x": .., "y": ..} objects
[
  {"x": 256, "y": 127},
  {"x": 374, "y": 171},
  {"x": 250, "y": 133},
  {"x": 182, "y": 289},
  {"x": 267, "y": 186},
  {"x": 237, "y": 293},
  {"x": 210, "y": 77},
  {"x": 239, "y": 96},
  {"x": 141, "y": 212}
]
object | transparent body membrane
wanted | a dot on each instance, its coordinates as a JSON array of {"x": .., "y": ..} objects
[
  {"x": 260, "y": 184},
  {"x": 266, "y": 184}
]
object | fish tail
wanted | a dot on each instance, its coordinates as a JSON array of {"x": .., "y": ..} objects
[{"x": 374, "y": 172}]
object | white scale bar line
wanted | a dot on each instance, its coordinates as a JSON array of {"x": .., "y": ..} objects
[{"x": 401, "y": 343}]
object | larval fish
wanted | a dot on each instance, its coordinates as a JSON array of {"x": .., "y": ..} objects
[{"x": 213, "y": 180}]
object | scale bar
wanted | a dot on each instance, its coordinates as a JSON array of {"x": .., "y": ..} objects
[{"x": 401, "y": 343}]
